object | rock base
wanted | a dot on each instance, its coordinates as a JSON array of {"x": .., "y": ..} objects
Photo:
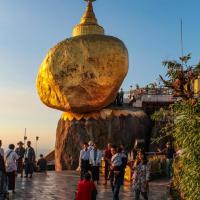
[{"x": 108, "y": 125}]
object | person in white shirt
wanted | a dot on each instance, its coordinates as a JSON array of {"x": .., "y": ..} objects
[
  {"x": 95, "y": 162},
  {"x": 84, "y": 160},
  {"x": 1, "y": 149},
  {"x": 11, "y": 166},
  {"x": 116, "y": 179},
  {"x": 90, "y": 145}
]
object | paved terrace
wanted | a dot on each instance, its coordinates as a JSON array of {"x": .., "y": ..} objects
[{"x": 62, "y": 186}]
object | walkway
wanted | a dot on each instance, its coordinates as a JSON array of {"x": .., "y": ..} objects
[{"x": 62, "y": 186}]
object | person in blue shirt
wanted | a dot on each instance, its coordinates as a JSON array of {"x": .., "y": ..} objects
[
  {"x": 84, "y": 160},
  {"x": 95, "y": 162}
]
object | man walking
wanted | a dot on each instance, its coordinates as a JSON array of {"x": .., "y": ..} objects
[
  {"x": 84, "y": 160},
  {"x": 95, "y": 162},
  {"x": 20, "y": 150},
  {"x": 107, "y": 159},
  {"x": 29, "y": 160},
  {"x": 11, "y": 166},
  {"x": 124, "y": 158},
  {"x": 116, "y": 179}
]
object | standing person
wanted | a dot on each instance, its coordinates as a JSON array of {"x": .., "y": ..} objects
[
  {"x": 86, "y": 189},
  {"x": 117, "y": 100},
  {"x": 135, "y": 150},
  {"x": 95, "y": 162},
  {"x": 123, "y": 149},
  {"x": 84, "y": 160},
  {"x": 42, "y": 163},
  {"x": 121, "y": 96},
  {"x": 116, "y": 179},
  {"x": 132, "y": 100},
  {"x": 29, "y": 160},
  {"x": 107, "y": 159},
  {"x": 11, "y": 166},
  {"x": 20, "y": 150},
  {"x": 170, "y": 153},
  {"x": 124, "y": 157},
  {"x": 3, "y": 180},
  {"x": 141, "y": 176},
  {"x": 90, "y": 145},
  {"x": 1, "y": 149}
]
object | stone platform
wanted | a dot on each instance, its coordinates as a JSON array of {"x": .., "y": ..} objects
[{"x": 62, "y": 186}]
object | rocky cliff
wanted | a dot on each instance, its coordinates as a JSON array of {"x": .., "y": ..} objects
[{"x": 108, "y": 125}]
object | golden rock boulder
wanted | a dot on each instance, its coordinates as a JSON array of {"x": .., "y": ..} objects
[{"x": 83, "y": 73}]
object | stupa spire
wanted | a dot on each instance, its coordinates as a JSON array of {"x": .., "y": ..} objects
[
  {"x": 89, "y": 16},
  {"x": 88, "y": 24}
]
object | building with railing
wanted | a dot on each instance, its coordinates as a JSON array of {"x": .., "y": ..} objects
[{"x": 149, "y": 99}]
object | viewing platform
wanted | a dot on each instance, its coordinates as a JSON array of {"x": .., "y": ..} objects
[{"x": 62, "y": 186}]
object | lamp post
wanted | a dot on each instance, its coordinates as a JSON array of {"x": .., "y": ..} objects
[
  {"x": 37, "y": 138},
  {"x": 25, "y": 138}
]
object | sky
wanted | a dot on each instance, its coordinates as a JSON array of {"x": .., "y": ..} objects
[{"x": 28, "y": 29}]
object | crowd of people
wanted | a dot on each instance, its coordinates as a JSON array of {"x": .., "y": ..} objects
[
  {"x": 90, "y": 161},
  {"x": 14, "y": 162},
  {"x": 115, "y": 159}
]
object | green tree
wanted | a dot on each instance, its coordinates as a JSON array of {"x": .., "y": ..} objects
[
  {"x": 183, "y": 125},
  {"x": 181, "y": 76}
]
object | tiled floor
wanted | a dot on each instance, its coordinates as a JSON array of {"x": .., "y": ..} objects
[{"x": 62, "y": 186}]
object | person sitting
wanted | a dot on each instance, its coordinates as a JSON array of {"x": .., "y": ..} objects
[
  {"x": 86, "y": 189},
  {"x": 42, "y": 164}
]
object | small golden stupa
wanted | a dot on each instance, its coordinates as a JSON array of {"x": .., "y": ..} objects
[
  {"x": 83, "y": 73},
  {"x": 88, "y": 23}
]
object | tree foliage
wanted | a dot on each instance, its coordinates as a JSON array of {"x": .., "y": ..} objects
[
  {"x": 181, "y": 76},
  {"x": 183, "y": 125}
]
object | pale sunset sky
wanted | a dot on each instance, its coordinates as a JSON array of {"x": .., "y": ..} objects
[{"x": 28, "y": 29}]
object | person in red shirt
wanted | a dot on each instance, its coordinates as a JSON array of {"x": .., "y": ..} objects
[{"x": 86, "y": 189}]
